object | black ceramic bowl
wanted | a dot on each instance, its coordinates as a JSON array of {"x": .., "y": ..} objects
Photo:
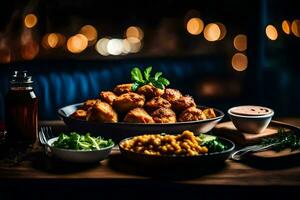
[
  {"x": 208, "y": 159},
  {"x": 121, "y": 130}
]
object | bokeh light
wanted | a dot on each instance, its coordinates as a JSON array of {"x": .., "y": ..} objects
[
  {"x": 30, "y": 20},
  {"x": 29, "y": 50},
  {"x": 134, "y": 32},
  {"x": 52, "y": 40},
  {"x": 296, "y": 27},
  {"x": 61, "y": 39},
  {"x": 26, "y": 36},
  {"x": 5, "y": 56},
  {"x": 271, "y": 32},
  {"x": 195, "y": 26},
  {"x": 115, "y": 47},
  {"x": 77, "y": 43},
  {"x": 90, "y": 33},
  {"x": 240, "y": 42},
  {"x": 212, "y": 32},
  {"x": 223, "y": 31},
  {"x": 135, "y": 44},
  {"x": 239, "y": 62},
  {"x": 126, "y": 46},
  {"x": 5, "y": 51},
  {"x": 101, "y": 46},
  {"x": 286, "y": 26}
]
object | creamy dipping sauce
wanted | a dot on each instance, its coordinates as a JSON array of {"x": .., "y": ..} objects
[{"x": 251, "y": 110}]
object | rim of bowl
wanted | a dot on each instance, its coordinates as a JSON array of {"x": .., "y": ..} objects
[
  {"x": 77, "y": 151},
  {"x": 182, "y": 156},
  {"x": 251, "y": 116},
  {"x": 63, "y": 115}
]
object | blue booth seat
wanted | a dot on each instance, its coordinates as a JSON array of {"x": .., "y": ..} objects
[{"x": 60, "y": 83}]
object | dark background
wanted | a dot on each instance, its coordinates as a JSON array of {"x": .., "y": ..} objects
[{"x": 193, "y": 64}]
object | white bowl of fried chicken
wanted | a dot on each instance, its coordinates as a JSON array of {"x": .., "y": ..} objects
[{"x": 123, "y": 112}]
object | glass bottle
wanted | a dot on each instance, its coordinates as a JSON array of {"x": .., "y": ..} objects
[{"x": 21, "y": 110}]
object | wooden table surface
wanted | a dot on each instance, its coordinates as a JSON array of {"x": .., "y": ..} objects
[{"x": 117, "y": 170}]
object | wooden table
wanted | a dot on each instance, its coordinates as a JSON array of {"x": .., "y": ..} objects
[{"x": 116, "y": 177}]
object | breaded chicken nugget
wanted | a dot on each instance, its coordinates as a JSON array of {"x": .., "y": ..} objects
[
  {"x": 102, "y": 112},
  {"x": 183, "y": 103},
  {"x": 138, "y": 115},
  {"x": 171, "y": 95},
  {"x": 164, "y": 115},
  {"x": 108, "y": 97},
  {"x": 89, "y": 103},
  {"x": 128, "y": 101},
  {"x": 209, "y": 113},
  {"x": 157, "y": 102},
  {"x": 149, "y": 91},
  {"x": 122, "y": 88},
  {"x": 191, "y": 114},
  {"x": 79, "y": 114}
]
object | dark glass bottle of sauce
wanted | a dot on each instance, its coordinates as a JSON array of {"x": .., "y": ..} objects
[{"x": 21, "y": 110}]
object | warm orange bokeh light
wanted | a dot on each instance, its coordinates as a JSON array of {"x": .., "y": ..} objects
[
  {"x": 135, "y": 45},
  {"x": 134, "y": 32},
  {"x": 223, "y": 31},
  {"x": 5, "y": 51},
  {"x": 239, "y": 62},
  {"x": 77, "y": 43},
  {"x": 286, "y": 27},
  {"x": 90, "y": 33},
  {"x": 126, "y": 46},
  {"x": 52, "y": 40},
  {"x": 30, "y": 50},
  {"x": 212, "y": 32},
  {"x": 271, "y": 32},
  {"x": 240, "y": 42},
  {"x": 296, "y": 27},
  {"x": 30, "y": 20},
  {"x": 195, "y": 26}
]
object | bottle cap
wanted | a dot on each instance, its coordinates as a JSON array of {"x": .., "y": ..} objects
[{"x": 21, "y": 78}]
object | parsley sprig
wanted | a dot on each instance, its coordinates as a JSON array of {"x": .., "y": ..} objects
[
  {"x": 283, "y": 140},
  {"x": 145, "y": 78}
]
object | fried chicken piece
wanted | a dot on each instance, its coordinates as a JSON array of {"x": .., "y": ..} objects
[
  {"x": 191, "y": 114},
  {"x": 183, "y": 103},
  {"x": 128, "y": 101},
  {"x": 209, "y": 113},
  {"x": 108, "y": 97},
  {"x": 79, "y": 114},
  {"x": 149, "y": 91},
  {"x": 89, "y": 103},
  {"x": 122, "y": 88},
  {"x": 171, "y": 95},
  {"x": 138, "y": 115},
  {"x": 102, "y": 112},
  {"x": 164, "y": 115},
  {"x": 157, "y": 102}
]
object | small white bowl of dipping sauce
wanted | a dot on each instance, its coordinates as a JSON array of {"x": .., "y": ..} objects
[{"x": 251, "y": 119}]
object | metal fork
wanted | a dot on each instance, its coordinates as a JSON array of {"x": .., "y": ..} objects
[
  {"x": 45, "y": 134},
  {"x": 238, "y": 155}
]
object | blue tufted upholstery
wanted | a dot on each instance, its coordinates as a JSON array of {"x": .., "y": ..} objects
[{"x": 60, "y": 83}]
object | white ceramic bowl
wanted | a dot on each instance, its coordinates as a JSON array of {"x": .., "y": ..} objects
[
  {"x": 250, "y": 123},
  {"x": 78, "y": 156}
]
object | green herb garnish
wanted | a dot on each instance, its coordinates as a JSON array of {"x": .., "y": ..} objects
[
  {"x": 212, "y": 143},
  {"x": 81, "y": 142},
  {"x": 140, "y": 79},
  {"x": 283, "y": 140}
]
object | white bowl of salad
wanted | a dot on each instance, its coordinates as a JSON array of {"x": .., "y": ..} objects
[{"x": 79, "y": 148}]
